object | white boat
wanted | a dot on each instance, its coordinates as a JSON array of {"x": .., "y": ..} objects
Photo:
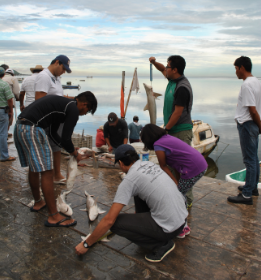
[
  {"x": 204, "y": 140},
  {"x": 239, "y": 177}
]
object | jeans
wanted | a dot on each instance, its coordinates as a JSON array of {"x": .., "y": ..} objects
[
  {"x": 141, "y": 229},
  {"x": 4, "y": 120},
  {"x": 248, "y": 136}
]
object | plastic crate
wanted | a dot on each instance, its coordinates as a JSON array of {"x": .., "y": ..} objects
[{"x": 80, "y": 141}]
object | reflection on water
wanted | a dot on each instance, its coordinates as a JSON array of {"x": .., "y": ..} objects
[
  {"x": 212, "y": 170},
  {"x": 215, "y": 102}
]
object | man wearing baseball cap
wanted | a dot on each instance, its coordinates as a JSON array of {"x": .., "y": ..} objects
[
  {"x": 6, "y": 113},
  {"x": 27, "y": 87},
  {"x": 48, "y": 82},
  {"x": 115, "y": 132},
  {"x": 160, "y": 210}
]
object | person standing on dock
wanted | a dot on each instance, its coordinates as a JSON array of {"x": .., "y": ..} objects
[
  {"x": 160, "y": 211},
  {"x": 178, "y": 102},
  {"x": 48, "y": 82},
  {"x": 248, "y": 121},
  {"x": 34, "y": 149},
  {"x": 135, "y": 129},
  {"x": 6, "y": 113},
  {"x": 27, "y": 87},
  {"x": 115, "y": 132}
]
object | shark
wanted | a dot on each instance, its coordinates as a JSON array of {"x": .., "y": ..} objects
[{"x": 151, "y": 105}]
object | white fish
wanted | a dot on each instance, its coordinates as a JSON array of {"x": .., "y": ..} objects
[
  {"x": 92, "y": 207},
  {"x": 122, "y": 175},
  {"x": 86, "y": 152},
  {"x": 107, "y": 155},
  {"x": 151, "y": 105},
  {"x": 62, "y": 206},
  {"x": 103, "y": 238},
  {"x": 72, "y": 172}
]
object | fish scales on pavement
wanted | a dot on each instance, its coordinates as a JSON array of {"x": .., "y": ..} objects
[
  {"x": 151, "y": 105},
  {"x": 92, "y": 207}
]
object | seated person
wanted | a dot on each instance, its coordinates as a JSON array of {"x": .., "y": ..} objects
[
  {"x": 135, "y": 129},
  {"x": 115, "y": 132},
  {"x": 160, "y": 208}
]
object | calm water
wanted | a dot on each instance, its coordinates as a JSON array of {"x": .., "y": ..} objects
[{"x": 215, "y": 101}]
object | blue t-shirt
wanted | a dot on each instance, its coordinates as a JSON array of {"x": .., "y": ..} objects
[{"x": 134, "y": 130}]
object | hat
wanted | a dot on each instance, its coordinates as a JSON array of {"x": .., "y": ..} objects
[
  {"x": 10, "y": 71},
  {"x": 65, "y": 61},
  {"x": 2, "y": 70},
  {"x": 112, "y": 117},
  {"x": 121, "y": 150},
  {"x": 101, "y": 127},
  {"x": 37, "y": 67}
]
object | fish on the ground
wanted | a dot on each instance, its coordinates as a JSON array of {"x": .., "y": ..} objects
[
  {"x": 72, "y": 172},
  {"x": 86, "y": 152},
  {"x": 92, "y": 207},
  {"x": 62, "y": 206},
  {"x": 151, "y": 105},
  {"x": 107, "y": 155},
  {"x": 104, "y": 238}
]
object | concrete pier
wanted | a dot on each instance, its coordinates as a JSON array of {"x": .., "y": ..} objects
[{"x": 224, "y": 243}]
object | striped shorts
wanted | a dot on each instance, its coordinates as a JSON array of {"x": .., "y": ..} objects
[{"x": 33, "y": 148}]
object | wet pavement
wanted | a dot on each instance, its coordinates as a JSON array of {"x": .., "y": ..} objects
[{"x": 225, "y": 239}]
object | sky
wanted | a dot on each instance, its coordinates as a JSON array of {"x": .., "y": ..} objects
[{"x": 104, "y": 38}]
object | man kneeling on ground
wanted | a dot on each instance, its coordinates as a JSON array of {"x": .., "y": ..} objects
[
  {"x": 34, "y": 149},
  {"x": 160, "y": 208}
]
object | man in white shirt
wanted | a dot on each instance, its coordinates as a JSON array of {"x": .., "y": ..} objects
[
  {"x": 27, "y": 87},
  {"x": 249, "y": 126},
  {"x": 48, "y": 82}
]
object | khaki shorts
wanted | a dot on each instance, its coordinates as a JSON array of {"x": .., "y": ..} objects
[{"x": 185, "y": 135}]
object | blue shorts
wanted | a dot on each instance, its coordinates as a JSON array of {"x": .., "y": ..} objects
[{"x": 33, "y": 148}]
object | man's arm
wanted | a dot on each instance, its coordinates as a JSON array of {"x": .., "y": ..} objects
[
  {"x": 107, "y": 140},
  {"x": 158, "y": 65},
  {"x": 39, "y": 94},
  {"x": 10, "y": 105},
  {"x": 125, "y": 140},
  {"x": 163, "y": 165},
  {"x": 105, "y": 224},
  {"x": 175, "y": 116},
  {"x": 255, "y": 116},
  {"x": 21, "y": 99}
]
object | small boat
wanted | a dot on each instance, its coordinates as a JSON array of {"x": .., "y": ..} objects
[
  {"x": 239, "y": 177},
  {"x": 204, "y": 139},
  {"x": 71, "y": 87}
]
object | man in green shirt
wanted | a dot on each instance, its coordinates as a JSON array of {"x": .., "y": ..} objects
[
  {"x": 178, "y": 102},
  {"x": 6, "y": 113}
]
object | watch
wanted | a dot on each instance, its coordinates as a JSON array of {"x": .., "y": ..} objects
[{"x": 85, "y": 244}]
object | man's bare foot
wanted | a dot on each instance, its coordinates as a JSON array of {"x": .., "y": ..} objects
[
  {"x": 58, "y": 217},
  {"x": 38, "y": 205}
]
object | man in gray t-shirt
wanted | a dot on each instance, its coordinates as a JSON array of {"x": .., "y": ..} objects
[{"x": 160, "y": 208}]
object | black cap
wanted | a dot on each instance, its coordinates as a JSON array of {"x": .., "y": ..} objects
[
  {"x": 65, "y": 61},
  {"x": 112, "y": 117},
  {"x": 120, "y": 152}
]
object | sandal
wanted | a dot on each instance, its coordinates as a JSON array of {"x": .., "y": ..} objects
[
  {"x": 58, "y": 224},
  {"x": 33, "y": 210},
  {"x": 8, "y": 159}
]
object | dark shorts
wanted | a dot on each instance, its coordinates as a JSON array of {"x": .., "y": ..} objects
[{"x": 33, "y": 148}]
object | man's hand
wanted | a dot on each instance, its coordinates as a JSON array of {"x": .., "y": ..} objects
[
  {"x": 110, "y": 148},
  {"x": 21, "y": 108},
  {"x": 152, "y": 59},
  {"x": 80, "y": 250},
  {"x": 10, "y": 114}
]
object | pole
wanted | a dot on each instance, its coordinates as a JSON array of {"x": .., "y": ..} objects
[
  {"x": 151, "y": 73},
  {"x": 122, "y": 95},
  {"x": 129, "y": 93}
]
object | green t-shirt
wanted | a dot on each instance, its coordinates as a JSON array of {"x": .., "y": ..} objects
[{"x": 167, "y": 109}]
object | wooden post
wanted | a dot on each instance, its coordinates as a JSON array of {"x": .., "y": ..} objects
[
  {"x": 122, "y": 95},
  {"x": 129, "y": 93}
]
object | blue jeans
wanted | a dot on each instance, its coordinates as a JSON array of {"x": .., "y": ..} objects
[
  {"x": 248, "y": 136},
  {"x": 4, "y": 120}
]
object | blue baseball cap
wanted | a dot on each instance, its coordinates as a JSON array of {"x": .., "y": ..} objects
[
  {"x": 65, "y": 61},
  {"x": 2, "y": 70},
  {"x": 122, "y": 150}
]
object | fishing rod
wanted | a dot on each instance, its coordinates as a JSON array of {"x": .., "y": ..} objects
[{"x": 151, "y": 73}]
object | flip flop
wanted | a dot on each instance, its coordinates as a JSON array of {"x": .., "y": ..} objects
[
  {"x": 9, "y": 159},
  {"x": 61, "y": 182},
  {"x": 58, "y": 224},
  {"x": 33, "y": 210}
]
